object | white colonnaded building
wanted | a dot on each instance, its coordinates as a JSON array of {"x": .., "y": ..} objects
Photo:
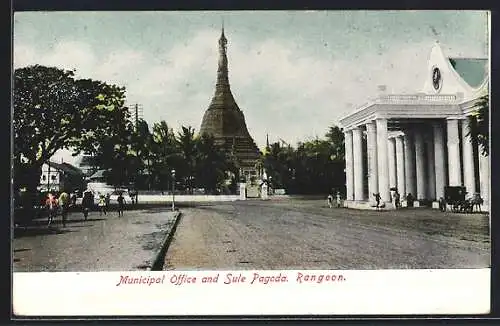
[{"x": 418, "y": 143}]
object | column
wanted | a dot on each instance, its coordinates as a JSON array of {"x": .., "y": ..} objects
[
  {"x": 357, "y": 147},
  {"x": 453, "y": 143},
  {"x": 431, "y": 175},
  {"x": 371, "y": 138},
  {"x": 349, "y": 171},
  {"x": 400, "y": 166},
  {"x": 484, "y": 178},
  {"x": 468, "y": 160},
  {"x": 391, "y": 158},
  {"x": 409, "y": 164},
  {"x": 420, "y": 164},
  {"x": 382, "y": 162},
  {"x": 439, "y": 159}
]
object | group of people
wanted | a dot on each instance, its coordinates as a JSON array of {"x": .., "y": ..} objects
[
  {"x": 102, "y": 203},
  {"x": 338, "y": 200},
  {"x": 395, "y": 199},
  {"x": 62, "y": 203},
  {"x": 54, "y": 204}
]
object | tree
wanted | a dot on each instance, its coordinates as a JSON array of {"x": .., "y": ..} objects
[
  {"x": 335, "y": 138},
  {"x": 315, "y": 166},
  {"x": 142, "y": 155},
  {"x": 479, "y": 124},
  {"x": 163, "y": 153},
  {"x": 187, "y": 153},
  {"x": 212, "y": 164},
  {"x": 53, "y": 110}
]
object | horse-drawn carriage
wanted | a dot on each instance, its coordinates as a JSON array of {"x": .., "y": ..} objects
[{"x": 456, "y": 198}]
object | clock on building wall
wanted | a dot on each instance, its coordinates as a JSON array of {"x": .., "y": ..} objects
[{"x": 436, "y": 78}]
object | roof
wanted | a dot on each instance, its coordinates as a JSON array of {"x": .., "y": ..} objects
[
  {"x": 66, "y": 168},
  {"x": 97, "y": 174},
  {"x": 472, "y": 71}
]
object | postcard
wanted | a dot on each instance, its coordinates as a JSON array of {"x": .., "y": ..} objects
[{"x": 228, "y": 163}]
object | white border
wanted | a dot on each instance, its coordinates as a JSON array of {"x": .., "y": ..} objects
[{"x": 373, "y": 292}]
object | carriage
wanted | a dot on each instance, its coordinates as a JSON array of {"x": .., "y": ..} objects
[{"x": 456, "y": 198}]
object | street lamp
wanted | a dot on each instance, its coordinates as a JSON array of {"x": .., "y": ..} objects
[{"x": 173, "y": 190}]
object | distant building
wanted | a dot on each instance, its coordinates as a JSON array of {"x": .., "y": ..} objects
[
  {"x": 98, "y": 176},
  {"x": 418, "y": 143},
  {"x": 87, "y": 165},
  {"x": 60, "y": 177}
]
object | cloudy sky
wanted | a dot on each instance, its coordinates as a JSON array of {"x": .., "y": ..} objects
[{"x": 293, "y": 73}]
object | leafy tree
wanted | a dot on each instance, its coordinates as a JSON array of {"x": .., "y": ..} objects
[
  {"x": 53, "y": 111},
  {"x": 335, "y": 138},
  {"x": 315, "y": 166},
  {"x": 212, "y": 164},
  {"x": 479, "y": 124},
  {"x": 163, "y": 153},
  {"x": 185, "y": 165}
]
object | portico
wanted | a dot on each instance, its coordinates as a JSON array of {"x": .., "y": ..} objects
[{"x": 417, "y": 143}]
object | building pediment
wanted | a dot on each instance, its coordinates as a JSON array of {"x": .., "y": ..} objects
[{"x": 447, "y": 75}]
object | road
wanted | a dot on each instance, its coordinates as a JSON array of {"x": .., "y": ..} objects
[
  {"x": 308, "y": 235},
  {"x": 102, "y": 243}
]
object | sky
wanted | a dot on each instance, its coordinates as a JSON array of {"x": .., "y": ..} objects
[{"x": 293, "y": 73}]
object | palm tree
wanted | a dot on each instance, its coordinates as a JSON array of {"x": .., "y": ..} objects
[
  {"x": 164, "y": 152},
  {"x": 479, "y": 124},
  {"x": 187, "y": 149}
]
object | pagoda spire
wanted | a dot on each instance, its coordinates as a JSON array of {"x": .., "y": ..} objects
[
  {"x": 223, "y": 96},
  {"x": 222, "y": 71}
]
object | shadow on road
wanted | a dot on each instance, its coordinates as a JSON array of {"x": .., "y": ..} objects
[
  {"x": 21, "y": 250},
  {"x": 36, "y": 231}
]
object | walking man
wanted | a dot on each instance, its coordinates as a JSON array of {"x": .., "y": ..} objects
[
  {"x": 64, "y": 203},
  {"x": 377, "y": 199},
  {"x": 87, "y": 203},
  {"x": 338, "y": 199},
  {"x": 51, "y": 205},
  {"x": 121, "y": 204},
  {"x": 102, "y": 205},
  {"x": 397, "y": 200},
  {"x": 330, "y": 200}
]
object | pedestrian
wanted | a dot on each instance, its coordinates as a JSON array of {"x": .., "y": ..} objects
[
  {"x": 397, "y": 200},
  {"x": 339, "y": 198},
  {"x": 108, "y": 200},
  {"x": 409, "y": 200},
  {"x": 102, "y": 204},
  {"x": 121, "y": 204},
  {"x": 87, "y": 203},
  {"x": 442, "y": 204},
  {"x": 377, "y": 199},
  {"x": 330, "y": 200},
  {"x": 131, "y": 195},
  {"x": 73, "y": 199},
  {"x": 51, "y": 205},
  {"x": 64, "y": 204}
]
